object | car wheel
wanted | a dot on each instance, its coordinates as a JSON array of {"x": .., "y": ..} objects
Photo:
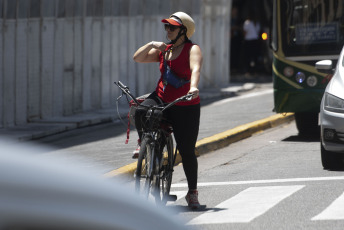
[{"x": 330, "y": 160}]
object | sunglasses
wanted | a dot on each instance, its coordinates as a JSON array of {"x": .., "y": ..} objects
[{"x": 171, "y": 27}]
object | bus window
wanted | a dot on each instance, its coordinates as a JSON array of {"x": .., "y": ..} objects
[{"x": 313, "y": 27}]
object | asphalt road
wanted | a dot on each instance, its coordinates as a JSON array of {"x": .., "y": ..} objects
[{"x": 273, "y": 180}]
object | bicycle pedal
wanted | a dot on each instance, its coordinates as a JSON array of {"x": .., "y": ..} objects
[{"x": 171, "y": 197}]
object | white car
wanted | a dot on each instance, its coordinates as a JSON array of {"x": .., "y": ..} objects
[
  {"x": 332, "y": 115},
  {"x": 41, "y": 193}
]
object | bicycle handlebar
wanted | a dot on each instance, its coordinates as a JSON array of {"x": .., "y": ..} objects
[
  {"x": 125, "y": 90},
  {"x": 122, "y": 85}
]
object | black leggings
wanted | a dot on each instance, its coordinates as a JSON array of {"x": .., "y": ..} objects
[{"x": 185, "y": 124}]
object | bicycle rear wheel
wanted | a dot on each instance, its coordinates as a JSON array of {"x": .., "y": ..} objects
[{"x": 144, "y": 170}]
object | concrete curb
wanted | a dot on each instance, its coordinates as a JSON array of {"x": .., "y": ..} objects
[{"x": 217, "y": 141}]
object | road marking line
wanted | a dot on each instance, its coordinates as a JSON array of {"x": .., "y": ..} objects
[
  {"x": 247, "y": 205},
  {"x": 182, "y": 185},
  {"x": 242, "y": 97},
  {"x": 333, "y": 212},
  {"x": 180, "y": 194}
]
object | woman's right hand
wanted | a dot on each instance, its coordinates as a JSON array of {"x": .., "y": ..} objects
[
  {"x": 159, "y": 46},
  {"x": 149, "y": 52}
]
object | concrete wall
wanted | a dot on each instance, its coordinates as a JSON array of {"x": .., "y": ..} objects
[{"x": 61, "y": 57}]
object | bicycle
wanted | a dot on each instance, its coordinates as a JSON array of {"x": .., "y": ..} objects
[{"x": 156, "y": 158}]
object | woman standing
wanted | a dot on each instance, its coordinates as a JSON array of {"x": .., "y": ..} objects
[{"x": 184, "y": 59}]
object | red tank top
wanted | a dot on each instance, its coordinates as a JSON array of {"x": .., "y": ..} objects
[{"x": 181, "y": 67}]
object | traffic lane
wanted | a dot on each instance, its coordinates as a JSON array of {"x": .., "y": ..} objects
[
  {"x": 284, "y": 161},
  {"x": 279, "y": 150}
]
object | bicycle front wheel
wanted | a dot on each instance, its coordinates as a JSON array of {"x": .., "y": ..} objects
[
  {"x": 144, "y": 170},
  {"x": 166, "y": 172}
]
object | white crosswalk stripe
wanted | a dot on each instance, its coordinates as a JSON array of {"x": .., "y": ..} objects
[
  {"x": 179, "y": 194},
  {"x": 333, "y": 212},
  {"x": 247, "y": 205},
  {"x": 254, "y": 202}
]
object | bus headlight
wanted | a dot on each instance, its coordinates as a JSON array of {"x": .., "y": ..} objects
[
  {"x": 312, "y": 81},
  {"x": 333, "y": 103},
  {"x": 288, "y": 71},
  {"x": 300, "y": 77}
]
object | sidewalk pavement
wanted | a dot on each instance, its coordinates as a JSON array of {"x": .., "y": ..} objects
[{"x": 46, "y": 127}]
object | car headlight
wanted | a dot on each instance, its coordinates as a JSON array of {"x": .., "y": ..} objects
[{"x": 333, "y": 103}]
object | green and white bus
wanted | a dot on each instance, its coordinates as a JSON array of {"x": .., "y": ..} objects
[{"x": 304, "y": 32}]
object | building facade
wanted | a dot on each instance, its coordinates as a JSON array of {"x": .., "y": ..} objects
[{"x": 61, "y": 57}]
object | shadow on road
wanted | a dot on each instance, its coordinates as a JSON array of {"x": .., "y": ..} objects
[
  {"x": 303, "y": 138},
  {"x": 181, "y": 209},
  {"x": 315, "y": 138}
]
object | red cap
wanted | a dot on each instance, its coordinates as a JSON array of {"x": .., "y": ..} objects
[{"x": 173, "y": 21}]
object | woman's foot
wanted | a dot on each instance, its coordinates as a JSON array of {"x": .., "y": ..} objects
[
  {"x": 192, "y": 199},
  {"x": 137, "y": 150}
]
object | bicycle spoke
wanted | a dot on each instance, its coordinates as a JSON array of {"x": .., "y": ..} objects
[
  {"x": 165, "y": 172},
  {"x": 144, "y": 171}
]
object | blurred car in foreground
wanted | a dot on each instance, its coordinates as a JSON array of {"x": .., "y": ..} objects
[
  {"x": 332, "y": 115},
  {"x": 40, "y": 193}
]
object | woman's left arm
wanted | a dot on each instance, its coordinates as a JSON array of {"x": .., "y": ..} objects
[{"x": 196, "y": 60}]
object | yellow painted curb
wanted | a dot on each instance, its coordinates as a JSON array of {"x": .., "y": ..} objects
[
  {"x": 240, "y": 132},
  {"x": 125, "y": 170},
  {"x": 219, "y": 140}
]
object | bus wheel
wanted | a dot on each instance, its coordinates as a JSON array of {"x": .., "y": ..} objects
[{"x": 307, "y": 124}]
